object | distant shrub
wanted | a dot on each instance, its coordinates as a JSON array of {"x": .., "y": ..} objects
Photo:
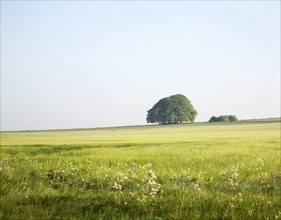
[
  {"x": 214, "y": 119},
  {"x": 223, "y": 118},
  {"x": 232, "y": 118}
]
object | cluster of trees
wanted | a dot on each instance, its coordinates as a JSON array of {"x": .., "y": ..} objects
[
  {"x": 178, "y": 109},
  {"x": 172, "y": 110},
  {"x": 225, "y": 118}
]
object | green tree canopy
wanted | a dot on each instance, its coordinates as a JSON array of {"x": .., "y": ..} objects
[
  {"x": 172, "y": 110},
  {"x": 225, "y": 118}
]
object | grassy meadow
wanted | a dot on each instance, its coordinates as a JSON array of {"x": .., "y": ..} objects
[{"x": 199, "y": 171}]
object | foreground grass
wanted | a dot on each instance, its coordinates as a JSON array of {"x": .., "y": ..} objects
[{"x": 221, "y": 171}]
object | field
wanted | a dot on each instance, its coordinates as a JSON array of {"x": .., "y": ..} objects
[{"x": 200, "y": 171}]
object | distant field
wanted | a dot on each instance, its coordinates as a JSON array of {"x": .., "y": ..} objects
[{"x": 200, "y": 171}]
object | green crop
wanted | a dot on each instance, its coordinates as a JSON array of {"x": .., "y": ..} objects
[{"x": 200, "y": 171}]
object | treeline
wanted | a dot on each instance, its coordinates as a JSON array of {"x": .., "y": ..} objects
[
  {"x": 223, "y": 118},
  {"x": 176, "y": 109}
]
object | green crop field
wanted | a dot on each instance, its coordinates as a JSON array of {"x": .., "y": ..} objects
[{"x": 199, "y": 171}]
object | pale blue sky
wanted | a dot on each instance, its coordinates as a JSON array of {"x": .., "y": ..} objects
[{"x": 73, "y": 64}]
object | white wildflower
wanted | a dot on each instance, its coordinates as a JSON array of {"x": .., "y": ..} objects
[
  {"x": 131, "y": 194},
  {"x": 152, "y": 174},
  {"x": 117, "y": 186},
  {"x": 235, "y": 175},
  {"x": 223, "y": 172}
]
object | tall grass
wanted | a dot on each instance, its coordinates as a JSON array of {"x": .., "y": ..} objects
[{"x": 222, "y": 171}]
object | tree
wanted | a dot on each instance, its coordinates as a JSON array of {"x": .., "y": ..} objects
[
  {"x": 232, "y": 118},
  {"x": 214, "y": 119},
  {"x": 172, "y": 110},
  {"x": 224, "y": 118}
]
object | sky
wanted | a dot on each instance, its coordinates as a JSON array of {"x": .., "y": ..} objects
[{"x": 85, "y": 64}]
